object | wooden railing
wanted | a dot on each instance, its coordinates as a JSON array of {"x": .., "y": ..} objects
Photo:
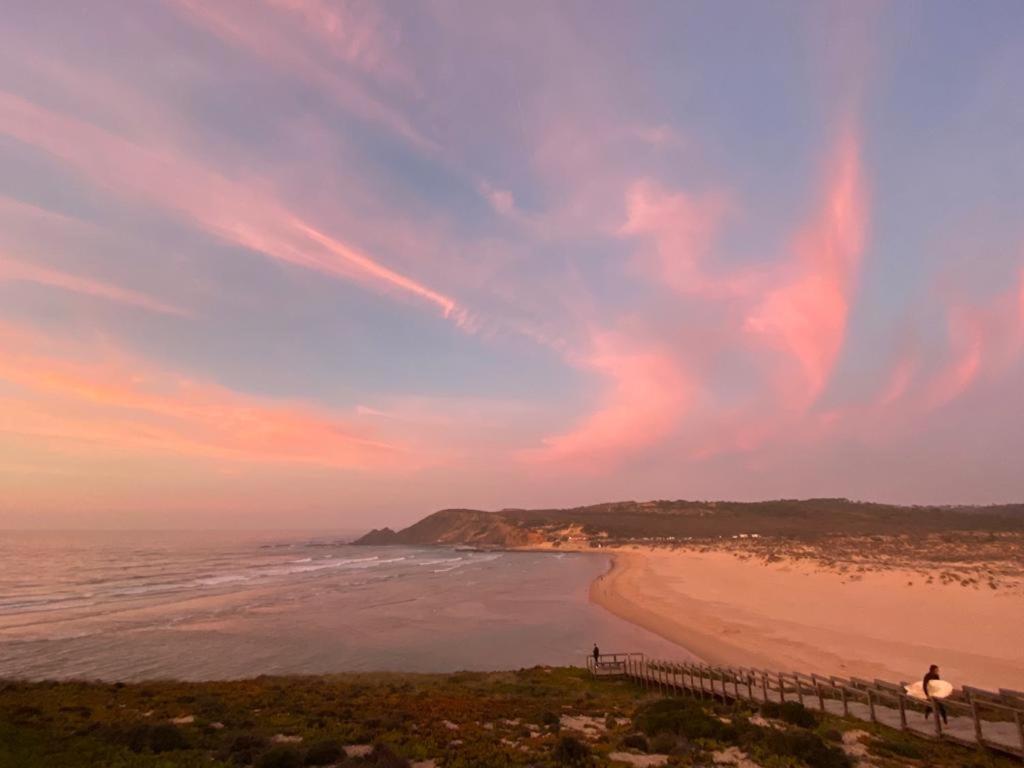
[
  {"x": 976, "y": 716},
  {"x": 613, "y": 664}
]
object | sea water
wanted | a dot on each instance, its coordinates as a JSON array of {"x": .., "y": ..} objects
[{"x": 202, "y": 605}]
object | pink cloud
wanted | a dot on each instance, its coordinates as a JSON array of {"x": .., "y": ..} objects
[
  {"x": 240, "y": 212},
  {"x": 17, "y": 271},
  {"x": 646, "y": 396},
  {"x": 116, "y": 402},
  {"x": 805, "y": 316},
  {"x": 681, "y": 228},
  {"x": 1020, "y": 304},
  {"x": 984, "y": 341},
  {"x": 900, "y": 379}
]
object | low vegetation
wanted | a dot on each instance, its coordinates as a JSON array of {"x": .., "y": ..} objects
[{"x": 535, "y": 717}]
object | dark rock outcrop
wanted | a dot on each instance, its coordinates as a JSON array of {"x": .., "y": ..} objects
[{"x": 458, "y": 526}]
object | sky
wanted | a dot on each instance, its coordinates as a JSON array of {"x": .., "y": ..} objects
[{"x": 303, "y": 263}]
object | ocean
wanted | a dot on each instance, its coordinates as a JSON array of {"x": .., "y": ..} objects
[{"x": 201, "y": 605}]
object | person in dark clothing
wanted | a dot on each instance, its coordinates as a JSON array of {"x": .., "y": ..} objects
[
  {"x": 933, "y": 674},
  {"x": 597, "y": 653}
]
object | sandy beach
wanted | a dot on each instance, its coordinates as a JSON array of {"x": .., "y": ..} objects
[{"x": 792, "y": 615}]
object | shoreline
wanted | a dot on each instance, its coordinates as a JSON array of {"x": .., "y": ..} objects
[{"x": 793, "y": 616}]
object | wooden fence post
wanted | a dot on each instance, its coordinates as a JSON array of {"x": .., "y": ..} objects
[
  {"x": 871, "y": 706},
  {"x": 764, "y": 685},
  {"x": 782, "y": 689},
  {"x": 935, "y": 713},
  {"x": 977, "y": 722},
  {"x": 817, "y": 688},
  {"x": 1020, "y": 728},
  {"x": 903, "y": 713},
  {"x": 846, "y": 704}
]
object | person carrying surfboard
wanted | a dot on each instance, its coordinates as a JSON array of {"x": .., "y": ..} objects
[{"x": 933, "y": 674}]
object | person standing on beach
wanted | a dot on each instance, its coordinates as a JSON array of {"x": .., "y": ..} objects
[
  {"x": 933, "y": 674},
  {"x": 597, "y": 653}
]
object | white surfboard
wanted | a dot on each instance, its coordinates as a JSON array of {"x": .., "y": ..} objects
[{"x": 938, "y": 689}]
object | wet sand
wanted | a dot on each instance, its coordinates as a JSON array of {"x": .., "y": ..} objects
[{"x": 793, "y": 616}]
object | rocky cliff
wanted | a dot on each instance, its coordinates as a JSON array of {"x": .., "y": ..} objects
[{"x": 458, "y": 526}]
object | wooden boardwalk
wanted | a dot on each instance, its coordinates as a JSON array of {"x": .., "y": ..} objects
[{"x": 992, "y": 719}]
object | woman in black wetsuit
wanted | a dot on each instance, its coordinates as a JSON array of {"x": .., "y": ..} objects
[{"x": 933, "y": 674}]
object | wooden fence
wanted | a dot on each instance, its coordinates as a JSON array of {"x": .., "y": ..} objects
[{"x": 976, "y": 716}]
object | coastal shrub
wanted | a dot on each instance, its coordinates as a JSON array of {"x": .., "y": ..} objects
[
  {"x": 211, "y": 707},
  {"x": 833, "y": 734},
  {"x": 664, "y": 743},
  {"x": 795, "y": 713},
  {"x": 550, "y": 718},
  {"x": 142, "y": 737},
  {"x": 280, "y": 756},
  {"x": 383, "y": 756},
  {"x": 83, "y": 712},
  {"x": 571, "y": 751},
  {"x": 792, "y": 712},
  {"x": 636, "y": 741},
  {"x": 23, "y": 715},
  {"x": 244, "y": 749},
  {"x": 166, "y": 738},
  {"x": 324, "y": 753},
  {"x": 135, "y": 737},
  {"x": 805, "y": 746},
  {"x": 682, "y": 717},
  {"x": 894, "y": 748}
]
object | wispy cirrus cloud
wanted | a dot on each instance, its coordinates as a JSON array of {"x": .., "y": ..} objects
[
  {"x": 240, "y": 212},
  {"x": 263, "y": 30},
  {"x": 12, "y": 270}
]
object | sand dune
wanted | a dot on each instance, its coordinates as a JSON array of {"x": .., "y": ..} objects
[{"x": 794, "y": 616}]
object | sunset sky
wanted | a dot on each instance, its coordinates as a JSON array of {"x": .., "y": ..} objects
[{"x": 302, "y": 263}]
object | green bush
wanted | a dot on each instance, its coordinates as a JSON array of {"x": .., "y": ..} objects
[
  {"x": 280, "y": 756},
  {"x": 897, "y": 749},
  {"x": 550, "y": 718},
  {"x": 383, "y": 757},
  {"x": 166, "y": 738},
  {"x": 805, "y": 746},
  {"x": 141, "y": 737},
  {"x": 794, "y": 713},
  {"x": 682, "y": 717},
  {"x": 664, "y": 743},
  {"x": 572, "y": 751},
  {"x": 324, "y": 753},
  {"x": 244, "y": 749},
  {"x": 636, "y": 741}
]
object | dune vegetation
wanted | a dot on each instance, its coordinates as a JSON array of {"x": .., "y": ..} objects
[{"x": 534, "y": 717}]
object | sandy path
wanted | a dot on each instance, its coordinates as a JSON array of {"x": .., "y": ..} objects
[{"x": 792, "y": 616}]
